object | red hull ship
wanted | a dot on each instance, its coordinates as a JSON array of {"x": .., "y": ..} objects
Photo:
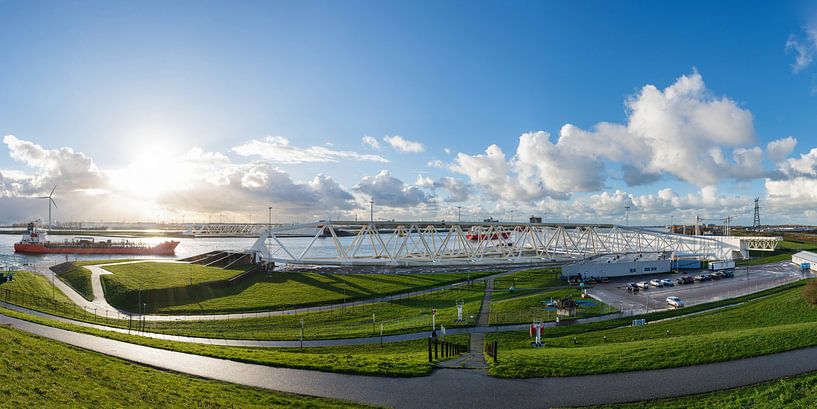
[
  {"x": 34, "y": 241},
  {"x": 478, "y": 234}
]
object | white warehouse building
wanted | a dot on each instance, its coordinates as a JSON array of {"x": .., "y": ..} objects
[
  {"x": 805, "y": 257},
  {"x": 619, "y": 265}
]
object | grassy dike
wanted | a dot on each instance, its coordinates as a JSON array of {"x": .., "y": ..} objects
[
  {"x": 399, "y": 359},
  {"x": 779, "y": 322},
  {"x": 79, "y": 278},
  {"x": 33, "y": 284},
  {"x": 792, "y": 392},
  {"x": 38, "y": 372},
  {"x": 167, "y": 288}
]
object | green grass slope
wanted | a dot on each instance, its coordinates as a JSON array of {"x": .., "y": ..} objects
[
  {"x": 165, "y": 287},
  {"x": 37, "y": 372},
  {"x": 777, "y": 323}
]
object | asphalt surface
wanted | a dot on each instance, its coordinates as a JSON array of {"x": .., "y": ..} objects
[
  {"x": 454, "y": 388},
  {"x": 654, "y": 299}
]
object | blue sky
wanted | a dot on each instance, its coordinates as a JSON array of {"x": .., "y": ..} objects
[{"x": 136, "y": 85}]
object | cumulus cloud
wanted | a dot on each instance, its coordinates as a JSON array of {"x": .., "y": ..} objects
[
  {"x": 683, "y": 131},
  {"x": 436, "y": 163},
  {"x": 780, "y": 149},
  {"x": 371, "y": 141},
  {"x": 64, "y": 167},
  {"x": 387, "y": 190},
  {"x": 458, "y": 190},
  {"x": 404, "y": 145},
  {"x": 278, "y": 149}
]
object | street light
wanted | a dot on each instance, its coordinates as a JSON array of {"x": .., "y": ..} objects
[{"x": 371, "y": 210}]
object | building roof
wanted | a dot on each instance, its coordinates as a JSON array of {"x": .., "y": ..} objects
[{"x": 806, "y": 255}]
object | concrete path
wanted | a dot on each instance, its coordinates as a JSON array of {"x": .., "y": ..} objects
[
  {"x": 475, "y": 357},
  {"x": 452, "y": 388}
]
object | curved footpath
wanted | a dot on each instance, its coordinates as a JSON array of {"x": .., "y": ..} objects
[
  {"x": 455, "y": 388},
  {"x": 101, "y": 304},
  {"x": 297, "y": 343}
]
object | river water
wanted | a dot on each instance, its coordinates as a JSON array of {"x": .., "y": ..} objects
[{"x": 187, "y": 246}]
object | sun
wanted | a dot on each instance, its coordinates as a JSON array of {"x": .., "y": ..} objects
[{"x": 151, "y": 173}]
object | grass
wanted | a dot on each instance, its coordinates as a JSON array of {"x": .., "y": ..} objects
[
  {"x": 37, "y": 372},
  {"x": 792, "y": 392},
  {"x": 407, "y": 358},
  {"x": 160, "y": 284},
  {"x": 784, "y": 251},
  {"x": 779, "y": 322},
  {"x": 527, "y": 308},
  {"x": 34, "y": 285},
  {"x": 169, "y": 292},
  {"x": 527, "y": 282},
  {"x": 401, "y": 314}
]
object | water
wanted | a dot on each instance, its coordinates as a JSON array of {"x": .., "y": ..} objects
[{"x": 187, "y": 247}]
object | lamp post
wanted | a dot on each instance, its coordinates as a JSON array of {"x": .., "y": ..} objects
[
  {"x": 371, "y": 210},
  {"x": 459, "y": 214}
]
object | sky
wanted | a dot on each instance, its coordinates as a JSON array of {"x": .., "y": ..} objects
[{"x": 214, "y": 110}]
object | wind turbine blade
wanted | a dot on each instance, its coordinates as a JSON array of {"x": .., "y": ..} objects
[
  {"x": 53, "y": 202},
  {"x": 43, "y": 197},
  {"x": 52, "y": 191}
]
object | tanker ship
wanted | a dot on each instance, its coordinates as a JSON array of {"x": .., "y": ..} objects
[{"x": 35, "y": 241}]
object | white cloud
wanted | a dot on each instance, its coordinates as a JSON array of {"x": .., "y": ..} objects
[
  {"x": 386, "y": 190},
  {"x": 278, "y": 149},
  {"x": 63, "y": 167},
  {"x": 682, "y": 131},
  {"x": 780, "y": 149},
  {"x": 458, "y": 190},
  {"x": 404, "y": 145},
  {"x": 803, "y": 48},
  {"x": 447, "y": 151},
  {"x": 436, "y": 163},
  {"x": 424, "y": 182},
  {"x": 371, "y": 141}
]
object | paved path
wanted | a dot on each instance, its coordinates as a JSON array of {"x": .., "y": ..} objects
[
  {"x": 101, "y": 304},
  {"x": 450, "y": 387}
]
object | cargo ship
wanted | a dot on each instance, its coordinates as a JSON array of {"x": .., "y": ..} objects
[
  {"x": 477, "y": 233},
  {"x": 35, "y": 241}
]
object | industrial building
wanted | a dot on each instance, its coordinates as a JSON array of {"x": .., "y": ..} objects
[
  {"x": 619, "y": 265},
  {"x": 805, "y": 259}
]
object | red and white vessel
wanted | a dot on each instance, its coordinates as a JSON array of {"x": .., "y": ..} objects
[
  {"x": 477, "y": 233},
  {"x": 35, "y": 241}
]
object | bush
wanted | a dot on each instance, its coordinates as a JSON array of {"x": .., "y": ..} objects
[{"x": 810, "y": 292}]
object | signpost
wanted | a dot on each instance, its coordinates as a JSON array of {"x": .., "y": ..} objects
[{"x": 459, "y": 310}]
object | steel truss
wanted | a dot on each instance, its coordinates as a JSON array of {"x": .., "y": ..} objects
[{"x": 417, "y": 244}]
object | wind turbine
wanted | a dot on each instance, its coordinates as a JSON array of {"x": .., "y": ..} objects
[{"x": 51, "y": 201}]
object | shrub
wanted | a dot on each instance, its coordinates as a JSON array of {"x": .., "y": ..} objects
[{"x": 810, "y": 292}]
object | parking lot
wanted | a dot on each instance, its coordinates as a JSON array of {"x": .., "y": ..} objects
[{"x": 756, "y": 278}]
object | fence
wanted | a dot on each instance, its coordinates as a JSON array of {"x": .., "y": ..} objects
[
  {"x": 492, "y": 350},
  {"x": 359, "y": 319},
  {"x": 444, "y": 349}
]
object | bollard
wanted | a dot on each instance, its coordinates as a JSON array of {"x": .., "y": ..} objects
[
  {"x": 495, "y": 352},
  {"x": 429, "y": 350},
  {"x": 435, "y": 350}
]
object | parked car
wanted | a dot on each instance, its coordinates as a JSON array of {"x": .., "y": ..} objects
[
  {"x": 702, "y": 277},
  {"x": 631, "y": 287},
  {"x": 729, "y": 273},
  {"x": 717, "y": 275},
  {"x": 656, "y": 283},
  {"x": 689, "y": 280},
  {"x": 675, "y": 301},
  {"x": 643, "y": 284},
  {"x": 668, "y": 282}
]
